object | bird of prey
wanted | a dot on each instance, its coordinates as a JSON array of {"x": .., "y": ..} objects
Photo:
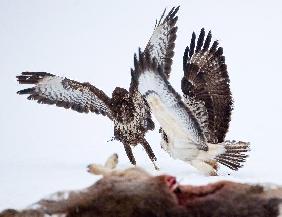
[
  {"x": 193, "y": 128},
  {"x": 127, "y": 109}
]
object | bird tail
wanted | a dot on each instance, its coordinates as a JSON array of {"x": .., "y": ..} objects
[{"x": 234, "y": 155}]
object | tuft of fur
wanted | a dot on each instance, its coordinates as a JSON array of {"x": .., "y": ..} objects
[
  {"x": 106, "y": 169},
  {"x": 135, "y": 193},
  {"x": 234, "y": 154}
]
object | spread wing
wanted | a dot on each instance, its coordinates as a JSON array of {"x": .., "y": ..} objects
[
  {"x": 206, "y": 86},
  {"x": 173, "y": 115},
  {"x": 63, "y": 92},
  {"x": 161, "y": 43},
  {"x": 160, "y": 46}
]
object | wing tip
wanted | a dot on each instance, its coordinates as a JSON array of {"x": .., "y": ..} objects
[
  {"x": 32, "y": 77},
  {"x": 204, "y": 44},
  {"x": 26, "y": 91},
  {"x": 171, "y": 17}
]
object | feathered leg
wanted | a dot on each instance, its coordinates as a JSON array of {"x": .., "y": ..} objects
[{"x": 150, "y": 152}]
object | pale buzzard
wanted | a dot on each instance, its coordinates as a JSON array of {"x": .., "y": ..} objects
[{"x": 193, "y": 128}]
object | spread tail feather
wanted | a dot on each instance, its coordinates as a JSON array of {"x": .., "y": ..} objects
[{"x": 234, "y": 155}]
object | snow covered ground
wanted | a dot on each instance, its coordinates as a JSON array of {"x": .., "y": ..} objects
[{"x": 44, "y": 149}]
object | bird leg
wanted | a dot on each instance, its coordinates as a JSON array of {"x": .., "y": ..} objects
[
  {"x": 150, "y": 152},
  {"x": 129, "y": 153}
]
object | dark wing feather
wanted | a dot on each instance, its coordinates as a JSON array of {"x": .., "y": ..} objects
[
  {"x": 206, "y": 86},
  {"x": 63, "y": 92},
  {"x": 162, "y": 41}
]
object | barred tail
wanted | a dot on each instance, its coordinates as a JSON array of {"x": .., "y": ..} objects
[{"x": 234, "y": 155}]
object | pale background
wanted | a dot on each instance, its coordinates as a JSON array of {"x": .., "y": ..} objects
[{"x": 44, "y": 148}]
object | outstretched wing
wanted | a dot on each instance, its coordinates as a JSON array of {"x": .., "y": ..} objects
[
  {"x": 161, "y": 43},
  {"x": 63, "y": 92},
  {"x": 160, "y": 46},
  {"x": 206, "y": 86},
  {"x": 174, "y": 117}
]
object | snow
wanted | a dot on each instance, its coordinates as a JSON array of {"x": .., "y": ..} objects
[{"x": 44, "y": 149}]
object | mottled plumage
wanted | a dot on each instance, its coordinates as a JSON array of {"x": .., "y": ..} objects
[
  {"x": 127, "y": 109},
  {"x": 162, "y": 41}
]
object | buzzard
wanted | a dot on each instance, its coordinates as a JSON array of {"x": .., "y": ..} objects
[
  {"x": 126, "y": 108},
  {"x": 193, "y": 128}
]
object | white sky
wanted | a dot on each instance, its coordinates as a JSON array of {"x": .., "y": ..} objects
[{"x": 45, "y": 148}]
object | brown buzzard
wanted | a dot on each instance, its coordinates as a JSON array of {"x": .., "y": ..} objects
[{"x": 127, "y": 109}]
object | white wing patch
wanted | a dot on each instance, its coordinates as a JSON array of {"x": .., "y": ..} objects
[
  {"x": 53, "y": 88},
  {"x": 159, "y": 42},
  {"x": 165, "y": 106},
  {"x": 63, "y": 92}
]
